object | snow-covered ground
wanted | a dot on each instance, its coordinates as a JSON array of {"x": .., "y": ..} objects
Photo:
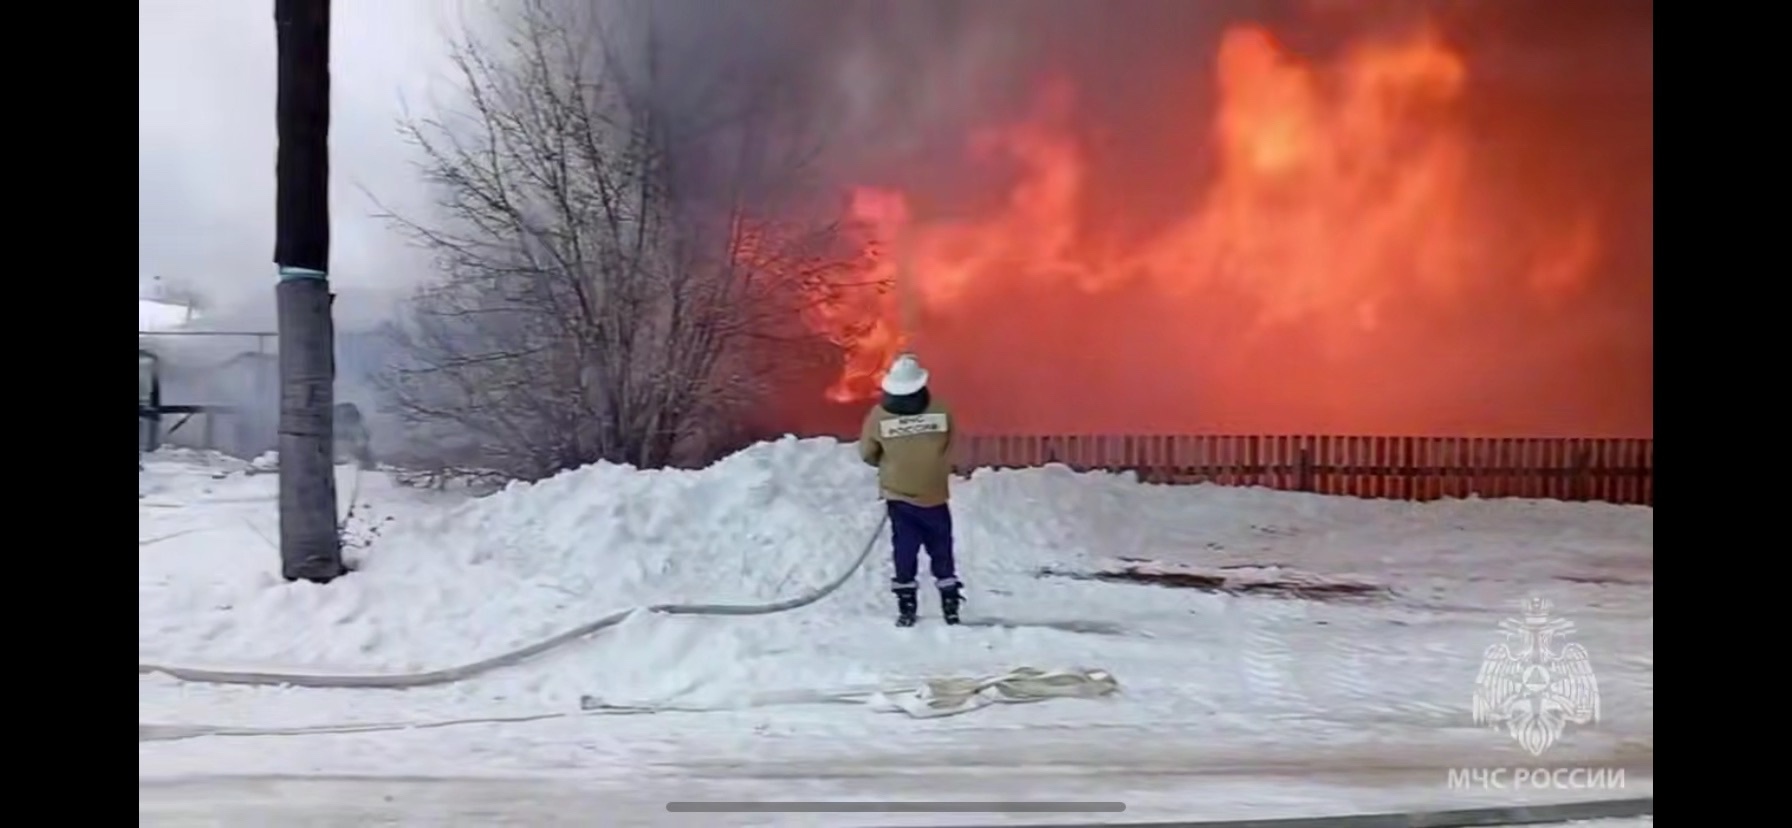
[{"x": 1241, "y": 704}]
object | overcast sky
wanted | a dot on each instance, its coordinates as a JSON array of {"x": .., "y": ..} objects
[{"x": 205, "y": 146}]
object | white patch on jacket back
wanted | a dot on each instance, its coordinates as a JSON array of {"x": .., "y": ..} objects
[{"x": 912, "y": 425}]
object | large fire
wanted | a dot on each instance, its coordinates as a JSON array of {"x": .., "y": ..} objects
[{"x": 1314, "y": 273}]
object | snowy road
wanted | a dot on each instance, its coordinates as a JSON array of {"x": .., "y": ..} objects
[
  {"x": 1160, "y": 775},
  {"x": 288, "y": 800}
]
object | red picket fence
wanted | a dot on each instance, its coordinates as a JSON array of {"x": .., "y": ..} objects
[{"x": 1615, "y": 470}]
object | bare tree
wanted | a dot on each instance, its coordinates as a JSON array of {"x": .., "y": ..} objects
[{"x": 624, "y": 258}]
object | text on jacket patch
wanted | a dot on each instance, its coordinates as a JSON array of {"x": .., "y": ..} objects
[{"x": 912, "y": 425}]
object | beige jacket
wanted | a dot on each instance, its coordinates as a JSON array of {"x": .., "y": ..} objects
[{"x": 912, "y": 454}]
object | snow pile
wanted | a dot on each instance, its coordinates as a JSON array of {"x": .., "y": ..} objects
[
  {"x": 442, "y": 580},
  {"x": 764, "y": 523},
  {"x": 444, "y": 586}
]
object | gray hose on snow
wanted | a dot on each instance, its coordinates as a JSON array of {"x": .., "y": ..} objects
[{"x": 465, "y": 671}]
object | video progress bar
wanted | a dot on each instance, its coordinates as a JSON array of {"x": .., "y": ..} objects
[{"x": 896, "y": 807}]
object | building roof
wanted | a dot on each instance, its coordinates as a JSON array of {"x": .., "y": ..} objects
[{"x": 153, "y": 315}]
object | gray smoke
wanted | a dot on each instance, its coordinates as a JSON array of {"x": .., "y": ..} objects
[{"x": 892, "y": 81}]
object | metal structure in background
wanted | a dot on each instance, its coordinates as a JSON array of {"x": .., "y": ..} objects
[
  {"x": 261, "y": 337},
  {"x": 151, "y": 410},
  {"x": 310, "y": 547},
  {"x": 149, "y": 403},
  {"x": 232, "y": 403}
]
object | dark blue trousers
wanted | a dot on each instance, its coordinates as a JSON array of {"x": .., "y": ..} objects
[{"x": 914, "y": 527}]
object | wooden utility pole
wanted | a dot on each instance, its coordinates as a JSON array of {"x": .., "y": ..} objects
[{"x": 310, "y": 548}]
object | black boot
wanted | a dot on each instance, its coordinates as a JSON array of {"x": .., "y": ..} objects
[
  {"x": 949, "y": 598},
  {"x": 905, "y": 607}
]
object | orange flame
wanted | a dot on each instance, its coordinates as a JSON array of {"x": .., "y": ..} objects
[{"x": 1341, "y": 194}]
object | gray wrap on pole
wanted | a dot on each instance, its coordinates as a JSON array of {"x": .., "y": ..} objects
[{"x": 310, "y": 548}]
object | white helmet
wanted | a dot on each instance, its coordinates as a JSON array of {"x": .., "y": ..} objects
[{"x": 906, "y": 376}]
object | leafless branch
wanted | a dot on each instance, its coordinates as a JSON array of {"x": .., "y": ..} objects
[{"x": 621, "y": 273}]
